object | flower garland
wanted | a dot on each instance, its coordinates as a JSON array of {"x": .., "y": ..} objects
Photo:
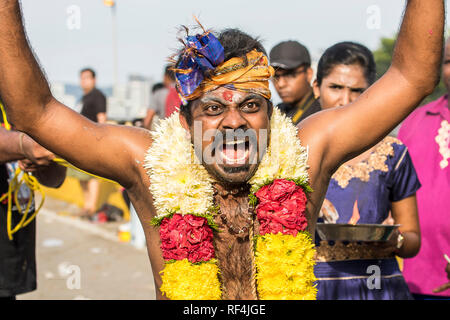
[
  {"x": 284, "y": 251},
  {"x": 183, "y": 197},
  {"x": 443, "y": 140}
]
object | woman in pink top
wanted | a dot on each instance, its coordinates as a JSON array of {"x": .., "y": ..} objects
[{"x": 426, "y": 133}]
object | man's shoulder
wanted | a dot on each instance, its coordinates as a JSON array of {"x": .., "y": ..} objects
[
  {"x": 98, "y": 92},
  {"x": 93, "y": 94}
]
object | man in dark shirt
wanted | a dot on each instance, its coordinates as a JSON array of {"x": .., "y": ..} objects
[
  {"x": 94, "y": 102},
  {"x": 94, "y": 108},
  {"x": 292, "y": 80}
]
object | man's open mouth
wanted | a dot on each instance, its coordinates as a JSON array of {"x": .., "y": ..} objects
[{"x": 234, "y": 153}]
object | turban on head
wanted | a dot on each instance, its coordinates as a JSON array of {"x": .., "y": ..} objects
[{"x": 201, "y": 68}]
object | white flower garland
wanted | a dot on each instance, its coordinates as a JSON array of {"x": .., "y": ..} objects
[
  {"x": 443, "y": 140},
  {"x": 179, "y": 183},
  {"x": 285, "y": 157}
]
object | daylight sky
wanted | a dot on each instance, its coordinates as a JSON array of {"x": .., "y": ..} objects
[{"x": 147, "y": 29}]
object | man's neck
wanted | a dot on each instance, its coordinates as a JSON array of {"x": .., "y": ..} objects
[
  {"x": 87, "y": 91},
  {"x": 236, "y": 222},
  {"x": 232, "y": 189}
]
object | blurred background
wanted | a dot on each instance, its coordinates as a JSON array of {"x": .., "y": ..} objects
[{"x": 130, "y": 42}]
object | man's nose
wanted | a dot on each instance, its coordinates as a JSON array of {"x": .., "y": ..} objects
[{"x": 234, "y": 120}]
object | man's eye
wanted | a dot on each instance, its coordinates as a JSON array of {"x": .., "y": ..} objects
[
  {"x": 250, "y": 106},
  {"x": 336, "y": 87},
  {"x": 214, "y": 109}
]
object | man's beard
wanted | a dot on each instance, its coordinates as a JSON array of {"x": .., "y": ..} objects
[
  {"x": 245, "y": 172},
  {"x": 237, "y": 169}
]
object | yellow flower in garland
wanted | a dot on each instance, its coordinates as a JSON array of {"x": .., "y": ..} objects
[
  {"x": 183, "y": 280},
  {"x": 284, "y": 252},
  {"x": 285, "y": 158},
  {"x": 285, "y": 265},
  {"x": 179, "y": 183}
]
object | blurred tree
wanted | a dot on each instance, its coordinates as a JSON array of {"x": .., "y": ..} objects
[
  {"x": 383, "y": 55},
  {"x": 383, "y": 58}
]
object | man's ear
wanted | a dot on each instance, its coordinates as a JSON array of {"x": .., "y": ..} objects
[
  {"x": 316, "y": 89},
  {"x": 184, "y": 122}
]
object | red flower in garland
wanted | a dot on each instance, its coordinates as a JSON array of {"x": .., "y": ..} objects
[
  {"x": 186, "y": 237},
  {"x": 281, "y": 208}
]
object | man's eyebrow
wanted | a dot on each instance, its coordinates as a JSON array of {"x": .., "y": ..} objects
[
  {"x": 211, "y": 99},
  {"x": 251, "y": 97},
  {"x": 222, "y": 101}
]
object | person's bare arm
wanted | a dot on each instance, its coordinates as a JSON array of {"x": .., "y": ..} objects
[
  {"x": 32, "y": 157},
  {"x": 101, "y": 117},
  {"x": 148, "y": 119},
  {"x": 10, "y": 146},
  {"x": 16, "y": 145},
  {"x": 106, "y": 150},
  {"x": 347, "y": 131},
  {"x": 405, "y": 214}
]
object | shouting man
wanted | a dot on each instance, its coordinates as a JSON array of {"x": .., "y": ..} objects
[{"x": 224, "y": 84}]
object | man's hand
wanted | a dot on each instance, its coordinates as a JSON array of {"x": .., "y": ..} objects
[
  {"x": 392, "y": 245},
  {"x": 444, "y": 286},
  {"x": 35, "y": 155},
  {"x": 38, "y": 161}
]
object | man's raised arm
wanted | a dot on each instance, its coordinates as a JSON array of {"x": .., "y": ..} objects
[
  {"x": 100, "y": 149},
  {"x": 413, "y": 75},
  {"x": 20, "y": 73}
]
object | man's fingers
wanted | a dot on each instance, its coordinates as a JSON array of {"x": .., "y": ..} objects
[{"x": 442, "y": 288}]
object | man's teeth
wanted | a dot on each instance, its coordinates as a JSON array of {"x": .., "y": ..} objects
[
  {"x": 235, "y": 161},
  {"x": 235, "y": 142}
]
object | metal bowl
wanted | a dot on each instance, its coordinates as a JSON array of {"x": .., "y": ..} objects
[{"x": 357, "y": 232}]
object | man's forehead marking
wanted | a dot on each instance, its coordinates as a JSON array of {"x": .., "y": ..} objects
[{"x": 228, "y": 95}]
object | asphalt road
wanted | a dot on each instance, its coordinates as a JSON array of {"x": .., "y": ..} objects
[{"x": 77, "y": 259}]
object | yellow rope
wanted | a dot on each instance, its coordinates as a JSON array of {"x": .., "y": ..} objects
[
  {"x": 64, "y": 163},
  {"x": 12, "y": 196},
  {"x": 5, "y": 120},
  {"x": 13, "y": 193},
  {"x": 32, "y": 183}
]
